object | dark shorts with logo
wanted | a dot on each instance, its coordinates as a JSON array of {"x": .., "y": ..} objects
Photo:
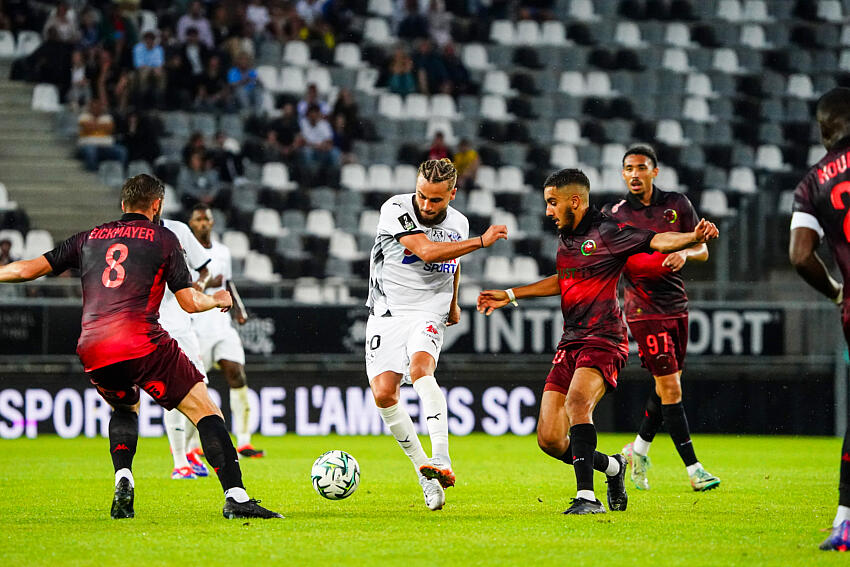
[
  {"x": 166, "y": 374},
  {"x": 662, "y": 343},
  {"x": 605, "y": 356}
]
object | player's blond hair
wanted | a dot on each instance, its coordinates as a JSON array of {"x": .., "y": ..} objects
[{"x": 439, "y": 170}]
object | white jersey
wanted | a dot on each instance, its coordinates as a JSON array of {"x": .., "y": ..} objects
[
  {"x": 171, "y": 316},
  {"x": 399, "y": 281},
  {"x": 215, "y": 321}
]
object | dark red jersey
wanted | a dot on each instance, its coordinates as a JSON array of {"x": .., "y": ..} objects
[
  {"x": 653, "y": 291},
  {"x": 124, "y": 266},
  {"x": 824, "y": 193},
  {"x": 590, "y": 261}
]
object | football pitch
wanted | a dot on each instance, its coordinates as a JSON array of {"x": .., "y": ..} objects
[{"x": 777, "y": 493}]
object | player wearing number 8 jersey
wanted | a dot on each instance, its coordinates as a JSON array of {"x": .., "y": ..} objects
[
  {"x": 125, "y": 266},
  {"x": 822, "y": 210},
  {"x": 656, "y": 309}
]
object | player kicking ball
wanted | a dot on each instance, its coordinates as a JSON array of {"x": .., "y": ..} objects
[
  {"x": 413, "y": 284},
  {"x": 592, "y": 253}
]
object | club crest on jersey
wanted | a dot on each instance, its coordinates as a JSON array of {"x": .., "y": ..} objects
[
  {"x": 670, "y": 215},
  {"x": 588, "y": 247},
  {"x": 406, "y": 222},
  {"x": 409, "y": 257}
]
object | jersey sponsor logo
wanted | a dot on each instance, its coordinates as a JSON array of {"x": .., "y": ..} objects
[
  {"x": 670, "y": 215},
  {"x": 574, "y": 273},
  {"x": 833, "y": 168},
  {"x": 449, "y": 267},
  {"x": 588, "y": 247},
  {"x": 156, "y": 389},
  {"x": 406, "y": 221},
  {"x": 409, "y": 257},
  {"x": 122, "y": 232}
]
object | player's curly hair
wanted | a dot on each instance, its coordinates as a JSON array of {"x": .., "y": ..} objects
[
  {"x": 139, "y": 192},
  {"x": 439, "y": 170}
]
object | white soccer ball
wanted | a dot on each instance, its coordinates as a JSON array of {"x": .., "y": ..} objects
[{"x": 336, "y": 475}]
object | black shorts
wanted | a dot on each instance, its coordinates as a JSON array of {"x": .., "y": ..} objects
[
  {"x": 662, "y": 343},
  {"x": 166, "y": 374}
]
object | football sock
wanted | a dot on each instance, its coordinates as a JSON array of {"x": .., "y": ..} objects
[
  {"x": 190, "y": 437},
  {"x": 651, "y": 422},
  {"x": 436, "y": 414},
  {"x": 841, "y": 515},
  {"x": 693, "y": 468},
  {"x": 237, "y": 494},
  {"x": 844, "y": 472},
  {"x": 601, "y": 462},
  {"x": 175, "y": 427},
  {"x": 583, "y": 441},
  {"x": 586, "y": 494},
  {"x": 128, "y": 474},
  {"x": 640, "y": 446},
  {"x": 219, "y": 451},
  {"x": 240, "y": 412},
  {"x": 401, "y": 426},
  {"x": 123, "y": 437},
  {"x": 677, "y": 426}
]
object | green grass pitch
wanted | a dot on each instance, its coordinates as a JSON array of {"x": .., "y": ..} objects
[{"x": 776, "y": 496}]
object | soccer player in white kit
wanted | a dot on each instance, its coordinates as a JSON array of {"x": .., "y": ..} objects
[
  {"x": 219, "y": 340},
  {"x": 178, "y": 324},
  {"x": 413, "y": 284}
]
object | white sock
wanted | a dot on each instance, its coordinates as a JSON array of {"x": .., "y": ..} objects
[
  {"x": 124, "y": 473},
  {"x": 401, "y": 426},
  {"x": 641, "y": 446},
  {"x": 237, "y": 494},
  {"x": 436, "y": 418},
  {"x": 693, "y": 468},
  {"x": 240, "y": 411},
  {"x": 842, "y": 515},
  {"x": 190, "y": 438},
  {"x": 175, "y": 427},
  {"x": 613, "y": 467},
  {"x": 586, "y": 494}
]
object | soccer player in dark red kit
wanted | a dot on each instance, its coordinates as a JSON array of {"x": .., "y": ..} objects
[
  {"x": 124, "y": 267},
  {"x": 592, "y": 254},
  {"x": 821, "y": 202},
  {"x": 656, "y": 309}
]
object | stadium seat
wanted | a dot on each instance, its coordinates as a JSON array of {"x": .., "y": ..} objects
[
  {"x": 347, "y": 55},
  {"x": 729, "y": 10},
  {"x": 628, "y": 34},
  {"x": 830, "y": 11},
  {"x": 381, "y": 8},
  {"x": 171, "y": 206},
  {"x": 237, "y": 242},
  {"x": 678, "y": 35},
  {"x": 699, "y": 84},
  {"x": 612, "y": 155},
  {"x": 308, "y": 291},
  {"x": 296, "y": 53},
  {"x": 258, "y": 268},
  {"x": 599, "y": 84},
  {"x": 525, "y": 269},
  {"x": 292, "y": 81},
  {"x": 497, "y": 83},
  {"x": 800, "y": 86},
  {"x": 481, "y": 202},
  {"x": 527, "y": 33},
  {"x": 572, "y": 83},
  {"x": 7, "y": 44},
  {"x": 368, "y": 222},
  {"x": 441, "y": 125},
  {"x": 498, "y": 270},
  {"x": 568, "y": 130},
  {"x": 321, "y": 77},
  {"x": 269, "y": 76},
  {"x": 582, "y": 10},
  {"x": 553, "y": 33},
  {"x": 366, "y": 80},
  {"x": 670, "y": 132},
  {"x": 785, "y": 204},
  {"x": 381, "y": 178},
  {"x": 726, "y": 60},
  {"x": 390, "y": 105},
  {"x": 487, "y": 178},
  {"x": 756, "y": 11},
  {"x": 268, "y": 223},
  {"x": 443, "y": 106},
  {"x": 322, "y": 198},
  {"x": 752, "y": 35},
  {"x": 147, "y": 21},
  {"x": 474, "y": 56},
  {"x": 137, "y": 167},
  {"x": 320, "y": 222},
  {"x": 28, "y": 41},
  {"x": 377, "y": 31},
  {"x": 563, "y": 155},
  {"x": 353, "y": 177},
  {"x": 696, "y": 108},
  {"x": 344, "y": 246},
  {"x": 111, "y": 173},
  {"x": 816, "y": 152},
  {"x": 17, "y": 240},
  {"x": 769, "y": 157},
  {"x": 611, "y": 182},
  {"x": 37, "y": 242},
  {"x": 415, "y": 107},
  {"x": 508, "y": 219},
  {"x": 5, "y": 203},
  {"x": 743, "y": 180},
  {"x": 675, "y": 59},
  {"x": 494, "y": 107},
  {"x": 404, "y": 177},
  {"x": 45, "y": 97},
  {"x": 714, "y": 203},
  {"x": 203, "y": 123},
  {"x": 276, "y": 176},
  {"x": 503, "y": 32},
  {"x": 510, "y": 179}
]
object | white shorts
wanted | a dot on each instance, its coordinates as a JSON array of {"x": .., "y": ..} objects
[
  {"x": 188, "y": 343},
  {"x": 223, "y": 345},
  {"x": 391, "y": 341}
]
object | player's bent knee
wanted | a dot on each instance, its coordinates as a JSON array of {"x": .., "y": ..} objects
[{"x": 550, "y": 445}]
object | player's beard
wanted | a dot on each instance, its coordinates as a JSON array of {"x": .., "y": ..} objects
[
  {"x": 567, "y": 230},
  {"x": 432, "y": 221}
]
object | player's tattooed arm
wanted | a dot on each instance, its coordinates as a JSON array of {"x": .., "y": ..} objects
[
  {"x": 802, "y": 252},
  {"x": 491, "y": 299},
  {"x": 667, "y": 242},
  {"x": 454, "y": 308},
  {"x": 429, "y": 251},
  {"x": 25, "y": 270}
]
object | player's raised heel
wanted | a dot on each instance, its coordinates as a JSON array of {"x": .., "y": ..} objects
[
  {"x": 440, "y": 470},
  {"x": 250, "y": 509},
  {"x": 618, "y": 499},
  {"x": 839, "y": 538},
  {"x": 639, "y": 464},
  {"x": 580, "y": 507},
  {"x": 433, "y": 492},
  {"x": 122, "y": 501},
  {"x": 249, "y": 452},
  {"x": 703, "y": 480}
]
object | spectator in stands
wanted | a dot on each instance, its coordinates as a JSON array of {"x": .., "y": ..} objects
[
  {"x": 6, "y": 252},
  {"x": 226, "y": 156},
  {"x": 195, "y": 18},
  {"x": 64, "y": 21},
  {"x": 178, "y": 96},
  {"x": 458, "y": 82},
  {"x": 311, "y": 97},
  {"x": 430, "y": 69},
  {"x": 466, "y": 162},
  {"x": 96, "y": 141},
  {"x": 439, "y": 23},
  {"x": 117, "y": 33},
  {"x": 242, "y": 42},
  {"x": 536, "y": 10},
  {"x": 402, "y": 80},
  {"x": 245, "y": 84},
  {"x": 194, "y": 55},
  {"x": 79, "y": 94},
  {"x": 257, "y": 13},
  {"x": 285, "y": 23},
  {"x": 49, "y": 63},
  {"x": 140, "y": 137},
  {"x": 439, "y": 149},
  {"x": 413, "y": 24},
  {"x": 342, "y": 140},
  {"x": 317, "y": 149},
  {"x": 309, "y": 10},
  {"x": 346, "y": 106},
  {"x": 199, "y": 183},
  {"x": 283, "y": 135},
  {"x": 221, "y": 24},
  {"x": 195, "y": 143},
  {"x": 89, "y": 29},
  {"x": 213, "y": 92},
  {"x": 112, "y": 82},
  {"x": 149, "y": 65}
]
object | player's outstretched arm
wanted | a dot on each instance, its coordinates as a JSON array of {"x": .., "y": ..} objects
[
  {"x": 802, "y": 252},
  {"x": 193, "y": 301},
  {"x": 25, "y": 270},
  {"x": 667, "y": 242},
  {"x": 676, "y": 260},
  {"x": 429, "y": 251},
  {"x": 491, "y": 299}
]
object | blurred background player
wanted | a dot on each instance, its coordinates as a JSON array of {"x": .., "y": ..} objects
[
  {"x": 178, "y": 324},
  {"x": 413, "y": 291},
  {"x": 219, "y": 341},
  {"x": 656, "y": 309},
  {"x": 124, "y": 268},
  {"x": 592, "y": 254},
  {"x": 820, "y": 210}
]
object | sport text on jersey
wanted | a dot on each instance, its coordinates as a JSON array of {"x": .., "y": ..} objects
[
  {"x": 574, "y": 273},
  {"x": 123, "y": 232},
  {"x": 833, "y": 168},
  {"x": 435, "y": 235}
]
